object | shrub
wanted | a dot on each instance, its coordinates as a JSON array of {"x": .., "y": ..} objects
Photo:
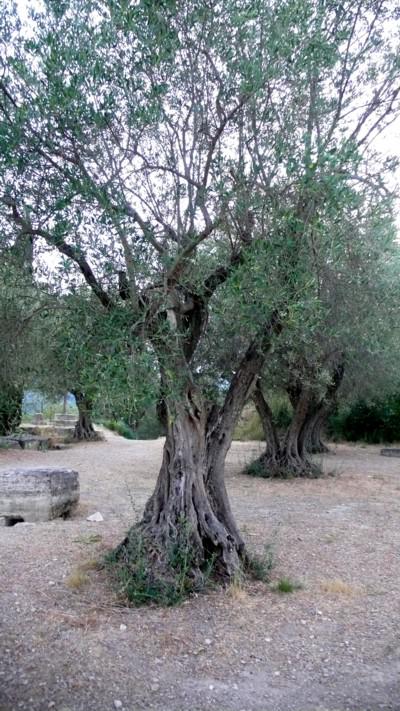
[
  {"x": 120, "y": 428},
  {"x": 250, "y": 428},
  {"x": 259, "y": 566},
  {"x": 256, "y": 468},
  {"x": 372, "y": 422},
  {"x": 148, "y": 428}
]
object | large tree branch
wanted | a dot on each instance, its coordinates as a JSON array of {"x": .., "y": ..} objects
[
  {"x": 178, "y": 263},
  {"x": 63, "y": 247},
  {"x": 265, "y": 414},
  {"x": 222, "y": 425},
  {"x": 217, "y": 135}
]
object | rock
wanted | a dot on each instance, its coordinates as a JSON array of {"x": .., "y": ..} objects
[
  {"x": 95, "y": 517},
  {"x": 37, "y": 494},
  {"x": 123, "y": 628},
  {"x": 117, "y": 704}
]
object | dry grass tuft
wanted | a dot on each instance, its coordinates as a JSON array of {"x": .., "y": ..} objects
[
  {"x": 236, "y": 590},
  {"x": 77, "y": 579},
  {"x": 91, "y": 564},
  {"x": 338, "y": 587}
]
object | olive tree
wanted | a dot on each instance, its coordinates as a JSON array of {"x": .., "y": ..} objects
[
  {"x": 346, "y": 339},
  {"x": 159, "y": 146}
]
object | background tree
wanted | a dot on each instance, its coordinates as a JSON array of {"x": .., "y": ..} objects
[
  {"x": 19, "y": 303},
  {"x": 352, "y": 320},
  {"x": 85, "y": 350}
]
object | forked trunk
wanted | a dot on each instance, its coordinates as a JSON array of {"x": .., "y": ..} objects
[
  {"x": 84, "y": 429},
  {"x": 319, "y": 411},
  {"x": 189, "y": 508}
]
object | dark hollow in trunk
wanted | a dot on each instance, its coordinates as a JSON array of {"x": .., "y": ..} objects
[{"x": 84, "y": 429}]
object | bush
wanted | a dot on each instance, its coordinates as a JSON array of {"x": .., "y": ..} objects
[
  {"x": 285, "y": 585},
  {"x": 372, "y": 422},
  {"x": 249, "y": 428},
  {"x": 120, "y": 428},
  {"x": 259, "y": 566},
  {"x": 148, "y": 428}
]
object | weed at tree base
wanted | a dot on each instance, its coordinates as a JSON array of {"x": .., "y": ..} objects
[
  {"x": 259, "y": 566},
  {"x": 145, "y": 575}
]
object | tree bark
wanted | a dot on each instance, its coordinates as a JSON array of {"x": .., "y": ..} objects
[
  {"x": 84, "y": 429},
  {"x": 222, "y": 423},
  {"x": 317, "y": 446},
  {"x": 312, "y": 431}
]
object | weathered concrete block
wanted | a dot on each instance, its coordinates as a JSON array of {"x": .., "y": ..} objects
[
  {"x": 37, "y": 494},
  {"x": 390, "y": 452}
]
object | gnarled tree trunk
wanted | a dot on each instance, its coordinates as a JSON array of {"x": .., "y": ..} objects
[
  {"x": 319, "y": 412},
  {"x": 284, "y": 457},
  {"x": 289, "y": 456},
  {"x": 84, "y": 429},
  {"x": 181, "y": 503},
  {"x": 312, "y": 432},
  {"x": 190, "y": 493}
]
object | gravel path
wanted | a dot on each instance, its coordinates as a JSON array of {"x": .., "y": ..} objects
[{"x": 333, "y": 645}]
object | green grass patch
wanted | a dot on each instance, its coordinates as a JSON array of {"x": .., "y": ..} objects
[
  {"x": 144, "y": 575},
  {"x": 285, "y": 585}
]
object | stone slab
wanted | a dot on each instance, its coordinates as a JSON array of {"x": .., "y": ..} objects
[
  {"x": 37, "y": 494},
  {"x": 390, "y": 452},
  {"x": 26, "y": 441}
]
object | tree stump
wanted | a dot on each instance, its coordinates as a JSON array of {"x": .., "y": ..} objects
[{"x": 37, "y": 494}]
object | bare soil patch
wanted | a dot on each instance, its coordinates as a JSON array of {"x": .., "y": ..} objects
[{"x": 333, "y": 645}]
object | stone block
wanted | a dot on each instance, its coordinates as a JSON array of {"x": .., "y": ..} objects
[
  {"x": 37, "y": 494},
  {"x": 390, "y": 452}
]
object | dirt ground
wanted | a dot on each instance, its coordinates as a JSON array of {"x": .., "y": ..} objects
[{"x": 333, "y": 645}]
